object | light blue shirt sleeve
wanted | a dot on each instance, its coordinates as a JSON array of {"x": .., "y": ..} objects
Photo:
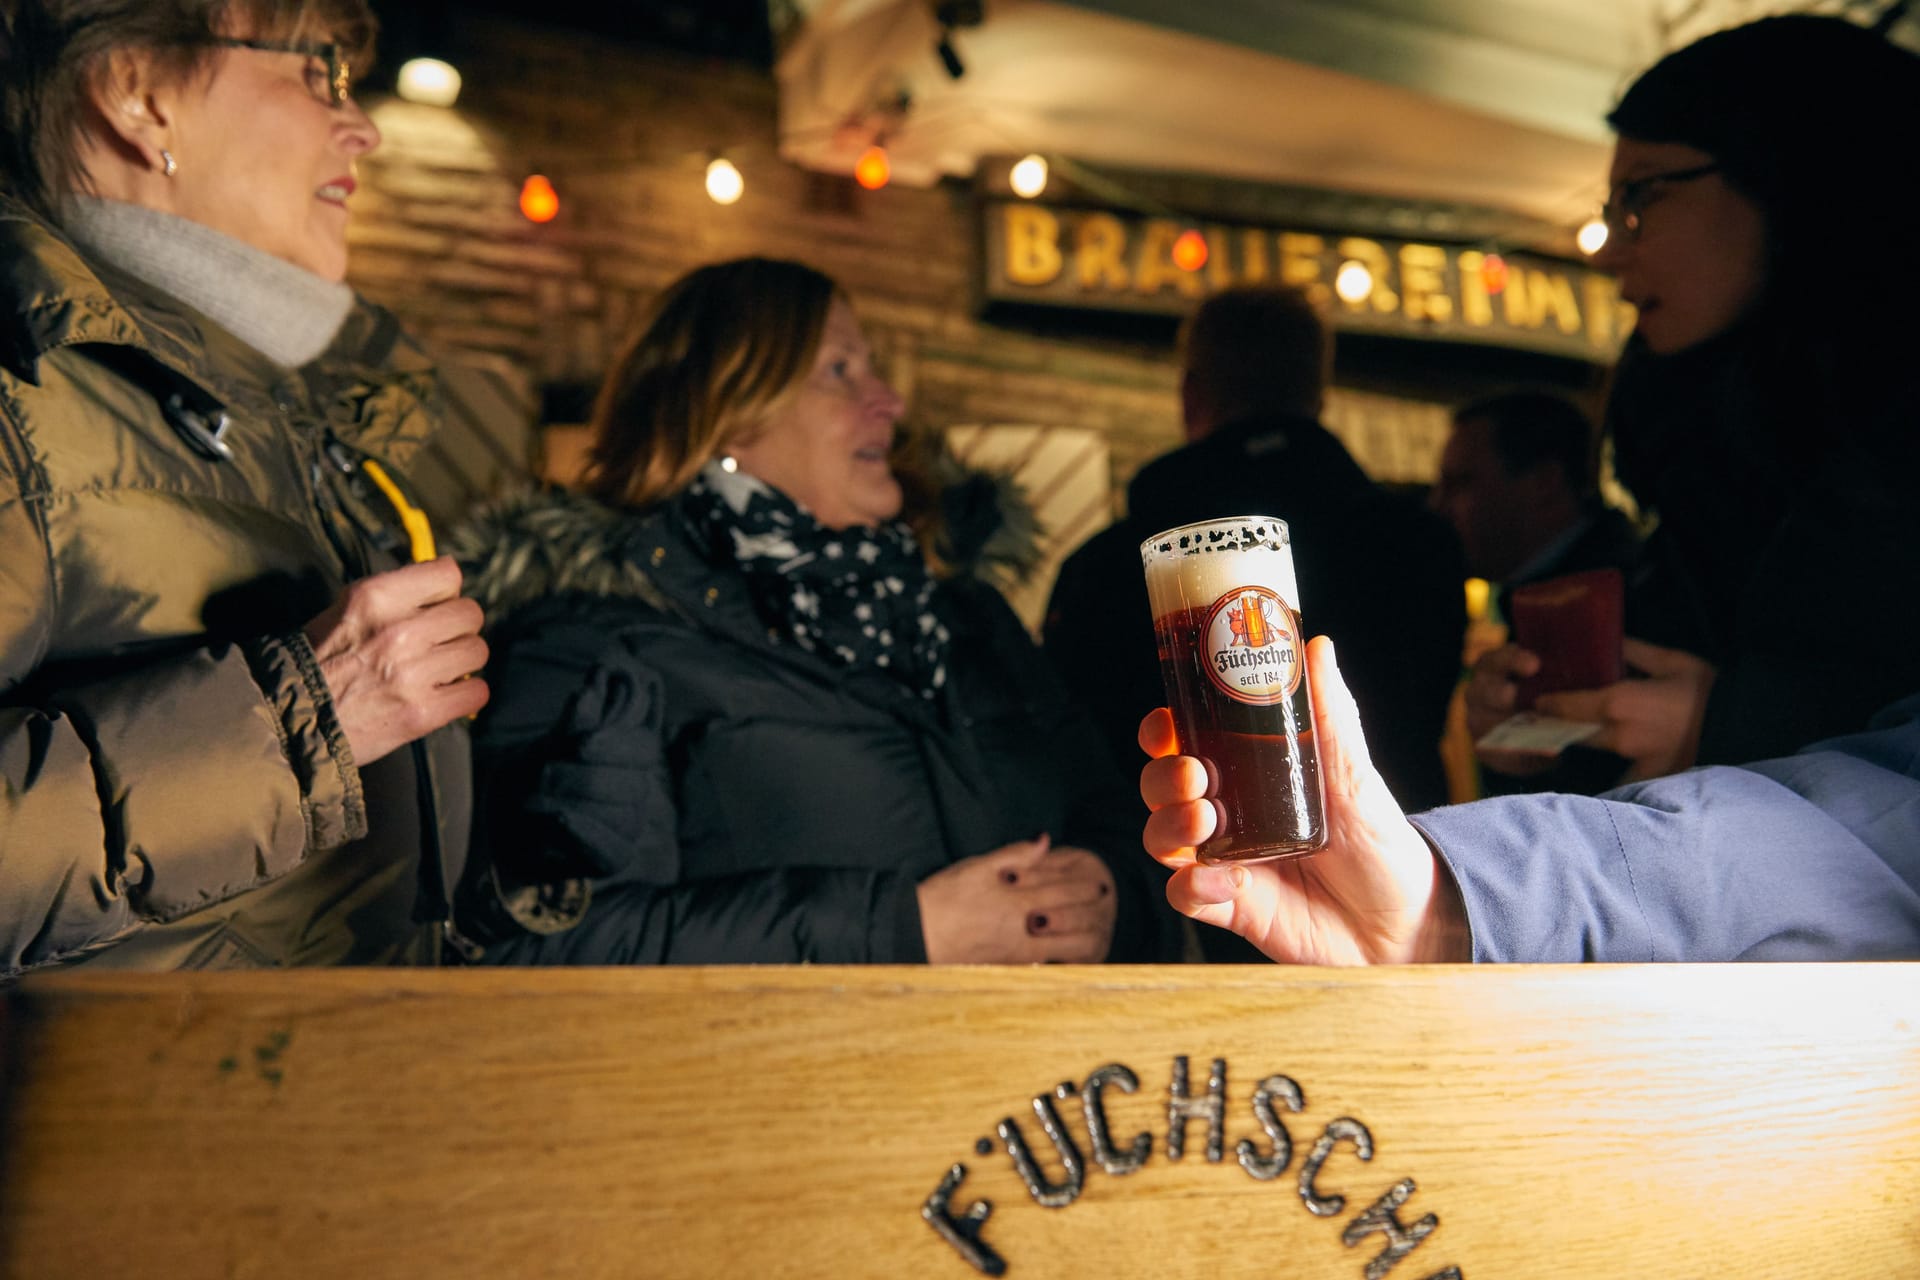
[{"x": 1811, "y": 857}]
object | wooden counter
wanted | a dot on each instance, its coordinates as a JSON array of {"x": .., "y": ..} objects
[{"x": 1697, "y": 1121}]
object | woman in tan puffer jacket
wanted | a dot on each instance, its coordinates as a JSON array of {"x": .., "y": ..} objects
[{"x": 222, "y": 697}]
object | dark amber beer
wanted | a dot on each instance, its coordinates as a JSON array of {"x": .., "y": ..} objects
[{"x": 1226, "y": 614}]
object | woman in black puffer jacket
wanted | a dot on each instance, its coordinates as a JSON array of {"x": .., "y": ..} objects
[{"x": 737, "y": 719}]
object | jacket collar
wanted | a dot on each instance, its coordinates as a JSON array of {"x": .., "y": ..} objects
[
  {"x": 56, "y": 297},
  {"x": 537, "y": 545},
  {"x": 551, "y": 542}
]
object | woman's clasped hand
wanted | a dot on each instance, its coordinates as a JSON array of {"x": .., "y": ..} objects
[{"x": 1026, "y": 902}]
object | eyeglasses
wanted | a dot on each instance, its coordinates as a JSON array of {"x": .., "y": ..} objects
[
  {"x": 339, "y": 72},
  {"x": 1630, "y": 199}
]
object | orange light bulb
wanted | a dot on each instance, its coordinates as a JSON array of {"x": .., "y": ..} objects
[
  {"x": 1190, "y": 251},
  {"x": 872, "y": 170},
  {"x": 538, "y": 200},
  {"x": 1493, "y": 273}
]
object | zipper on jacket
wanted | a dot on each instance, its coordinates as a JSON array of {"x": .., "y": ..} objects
[{"x": 413, "y": 543}]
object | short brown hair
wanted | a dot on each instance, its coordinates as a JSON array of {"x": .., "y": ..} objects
[
  {"x": 715, "y": 353},
  {"x": 1258, "y": 349},
  {"x": 55, "y": 50},
  {"x": 1531, "y": 427}
]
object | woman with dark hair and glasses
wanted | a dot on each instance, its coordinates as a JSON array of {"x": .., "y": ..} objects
[
  {"x": 1764, "y": 223},
  {"x": 224, "y": 687},
  {"x": 1762, "y": 218}
]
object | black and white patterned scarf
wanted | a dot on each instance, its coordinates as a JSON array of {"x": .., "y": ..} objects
[{"x": 859, "y": 597}]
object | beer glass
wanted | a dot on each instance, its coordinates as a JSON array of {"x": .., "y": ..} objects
[{"x": 1226, "y": 616}]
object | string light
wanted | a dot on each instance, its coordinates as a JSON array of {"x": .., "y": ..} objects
[
  {"x": 1493, "y": 274},
  {"x": 1353, "y": 282},
  {"x": 428, "y": 81},
  {"x": 1028, "y": 178},
  {"x": 1592, "y": 237},
  {"x": 538, "y": 200},
  {"x": 1479, "y": 592},
  {"x": 1190, "y": 250},
  {"x": 872, "y": 169},
  {"x": 724, "y": 183}
]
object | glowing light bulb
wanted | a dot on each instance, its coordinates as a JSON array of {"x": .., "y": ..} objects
[
  {"x": 724, "y": 183},
  {"x": 1353, "y": 282},
  {"x": 1479, "y": 592},
  {"x": 872, "y": 170},
  {"x": 1493, "y": 273},
  {"x": 1592, "y": 237},
  {"x": 1029, "y": 177},
  {"x": 1190, "y": 250},
  {"x": 428, "y": 81},
  {"x": 538, "y": 200}
]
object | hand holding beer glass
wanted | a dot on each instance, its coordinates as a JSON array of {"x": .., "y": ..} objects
[
  {"x": 1377, "y": 894},
  {"x": 1226, "y": 616}
]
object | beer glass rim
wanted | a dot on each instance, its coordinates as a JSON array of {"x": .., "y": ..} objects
[{"x": 1147, "y": 544}]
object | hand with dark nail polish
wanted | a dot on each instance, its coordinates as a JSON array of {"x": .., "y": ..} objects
[{"x": 1024, "y": 903}]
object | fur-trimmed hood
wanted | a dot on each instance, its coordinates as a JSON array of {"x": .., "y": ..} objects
[{"x": 545, "y": 542}]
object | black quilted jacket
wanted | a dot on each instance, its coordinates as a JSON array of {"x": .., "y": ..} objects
[{"x": 663, "y": 781}]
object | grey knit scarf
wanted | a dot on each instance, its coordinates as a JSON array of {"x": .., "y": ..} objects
[{"x": 284, "y": 312}]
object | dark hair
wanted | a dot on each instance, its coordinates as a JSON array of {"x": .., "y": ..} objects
[
  {"x": 1258, "y": 348},
  {"x": 1529, "y": 428},
  {"x": 54, "y": 52},
  {"x": 720, "y": 348},
  {"x": 1797, "y": 111}
]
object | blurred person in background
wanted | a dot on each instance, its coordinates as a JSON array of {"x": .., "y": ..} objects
[
  {"x": 1375, "y": 572},
  {"x": 1765, "y": 408},
  {"x": 737, "y": 716},
  {"x": 212, "y": 665},
  {"x": 1519, "y": 482}
]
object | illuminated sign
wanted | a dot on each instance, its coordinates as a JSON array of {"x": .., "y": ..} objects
[{"x": 1093, "y": 259}]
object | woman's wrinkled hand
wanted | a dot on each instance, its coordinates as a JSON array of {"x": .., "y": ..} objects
[
  {"x": 1023, "y": 903},
  {"x": 397, "y": 650},
  {"x": 1654, "y": 718},
  {"x": 1375, "y": 895}
]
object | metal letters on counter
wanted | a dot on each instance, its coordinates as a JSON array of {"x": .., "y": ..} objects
[{"x": 964, "y": 1230}]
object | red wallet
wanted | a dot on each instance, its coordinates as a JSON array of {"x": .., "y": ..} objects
[{"x": 1574, "y": 623}]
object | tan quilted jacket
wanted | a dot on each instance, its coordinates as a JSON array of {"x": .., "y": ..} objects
[{"x": 174, "y": 790}]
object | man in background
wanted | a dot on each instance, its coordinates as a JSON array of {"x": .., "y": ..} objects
[
  {"x": 1519, "y": 482},
  {"x": 1377, "y": 573}
]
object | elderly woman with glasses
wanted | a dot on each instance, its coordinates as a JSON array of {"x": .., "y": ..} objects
[
  {"x": 1765, "y": 408},
  {"x": 224, "y": 684}
]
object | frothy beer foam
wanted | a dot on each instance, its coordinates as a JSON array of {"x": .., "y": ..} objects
[{"x": 1194, "y": 565}]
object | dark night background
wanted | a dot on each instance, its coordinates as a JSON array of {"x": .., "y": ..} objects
[{"x": 736, "y": 30}]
